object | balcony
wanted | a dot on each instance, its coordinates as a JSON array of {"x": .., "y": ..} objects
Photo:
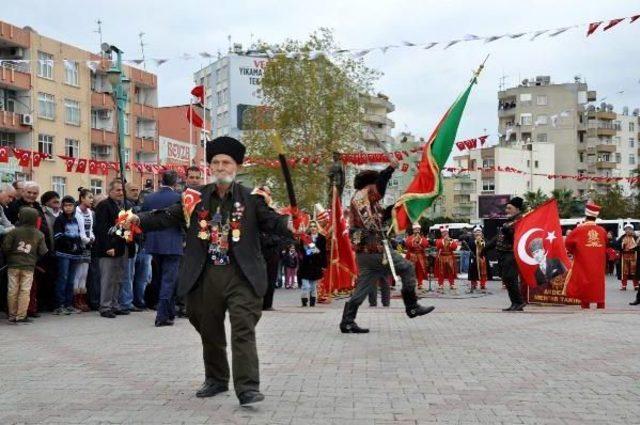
[
  {"x": 12, "y": 36},
  {"x": 101, "y": 101},
  {"x": 145, "y": 112},
  {"x": 142, "y": 78},
  {"x": 604, "y": 147},
  {"x": 15, "y": 76},
  {"x": 506, "y": 113},
  {"x": 104, "y": 137},
  {"x": 605, "y": 165},
  {"x": 602, "y": 115},
  {"x": 601, "y": 131},
  {"x": 11, "y": 122}
]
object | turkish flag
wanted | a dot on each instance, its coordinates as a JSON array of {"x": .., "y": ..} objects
[
  {"x": 24, "y": 157},
  {"x": 194, "y": 118},
  {"x": 37, "y": 158},
  {"x": 612, "y": 23},
  {"x": 342, "y": 267},
  {"x": 82, "y": 166},
  {"x": 539, "y": 246},
  {"x": 198, "y": 91},
  {"x": 68, "y": 161},
  {"x": 190, "y": 198},
  {"x": 104, "y": 168},
  {"x": 592, "y": 27},
  {"x": 4, "y": 154},
  {"x": 94, "y": 167}
]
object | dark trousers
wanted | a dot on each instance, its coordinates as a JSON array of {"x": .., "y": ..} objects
[
  {"x": 168, "y": 266},
  {"x": 223, "y": 288},
  {"x": 372, "y": 270},
  {"x": 510, "y": 276},
  {"x": 385, "y": 293},
  {"x": 93, "y": 282},
  {"x": 272, "y": 276},
  {"x": 64, "y": 282}
]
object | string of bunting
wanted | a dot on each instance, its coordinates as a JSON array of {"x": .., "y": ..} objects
[
  {"x": 597, "y": 179},
  {"x": 272, "y": 51}
]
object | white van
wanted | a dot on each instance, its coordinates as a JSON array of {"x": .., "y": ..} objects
[{"x": 455, "y": 229}]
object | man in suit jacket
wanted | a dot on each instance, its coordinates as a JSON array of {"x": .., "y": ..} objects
[
  {"x": 223, "y": 269},
  {"x": 548, "y": 268},
  {"x": 166, "y": 248}
]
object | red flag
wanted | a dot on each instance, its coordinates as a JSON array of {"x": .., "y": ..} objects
[
  {"x": 94, "y": 167},
  {"x": 104, "y": 168},
  {"x": 612, "y": 23},
  {"x": 82, "y": 166},
  {"x": 24, "y": 157},
  {"x": 539, "y": 245},
  {"x": 4, "y": 154},
  {"x": 343, "y": 267},
  {"x": 190, "y": 198},
  {"x": 593, "y": 26},
  {"x": 37, "y": 158},
  {"x": 198, "y": 91},
  {"x": 68, "y": 161},
  {"x": 634, "y": 18},
  {"x": 194, "y": 118}
]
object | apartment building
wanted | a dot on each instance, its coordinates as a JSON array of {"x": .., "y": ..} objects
[{"x": 56, "y": 101}]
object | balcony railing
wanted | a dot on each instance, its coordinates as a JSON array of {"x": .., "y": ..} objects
[
  {"x": 15, "y": 76},
  {"x": 10, "y": 122},
  {"x": 14, "y": 36}
]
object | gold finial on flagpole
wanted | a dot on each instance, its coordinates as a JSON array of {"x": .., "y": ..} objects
[{"x": 477, "y": 72}]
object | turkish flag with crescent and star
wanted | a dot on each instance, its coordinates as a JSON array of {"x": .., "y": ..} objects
[{"x": 538, "y": 245}]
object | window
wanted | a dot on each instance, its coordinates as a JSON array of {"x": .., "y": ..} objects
[
  {"x": 528, "y": 163},
  {"x": 45, "y": 144},
  {"x": 525, "y": 119},
  {"x": 618, "y": 157},
  {"x": 488, "y": 184},
  {"x": 7, "y": 139},
  {"x": 632, "y": 142},
  {"x": 617, "y": 125},
  {"x": 71, "y": 147},
  {"x": 525, "y": 97},
  {"x": 96, "y": 186},
  {"x": 45, "y": 65},
  {"x": 541, "y": 137},
  {"x": 632, "y": 127},
  {"x": 47, "y": 106},
  {"x": 581, "y": 156},
  {"x": 542, "y": 120},
  {"x": 541, "y": 100},
  {"x": 486, "y": 163},
  {"x": 616, "y": 140},
  {"x": 71, "y": 73},
  {"x": 535, "y": 164},
  {"x": 127, "y": 154},
  {"x": 126, "y": 124},
  {"x": 632, "y": 159},
  {"x": 72, "y": 112},
  {"x": 59, "y": 184}
]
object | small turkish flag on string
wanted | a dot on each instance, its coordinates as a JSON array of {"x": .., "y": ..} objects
[
  {"x": 4, "y": 154},
  {"x": 115, "y": 166},
  {"x": 82, "y": 166},
  {"x": 69, "y": 162},
  {"x": 24, "y": 157},
  {"x": 94, "y": 167},
  {"x": 634, "y": 18},
  {"x": 539, "y": 246},
  {"x": 593, "y": 26},
  {"x": 104, "y": 168},
  {"x": 37, "y": 158},
  {"x": 612, "y": 23}
]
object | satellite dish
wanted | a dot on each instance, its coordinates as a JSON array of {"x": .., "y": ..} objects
[
  {"x": 106, "y": 47},
  {"x": 636, "y": 112}
]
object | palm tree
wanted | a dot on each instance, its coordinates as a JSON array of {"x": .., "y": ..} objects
[
  {"x": 533, "y": 199},
  {"x": 566, "y": 202}
]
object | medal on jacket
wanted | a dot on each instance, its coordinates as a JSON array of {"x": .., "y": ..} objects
[{"x": 236, "y": 216}]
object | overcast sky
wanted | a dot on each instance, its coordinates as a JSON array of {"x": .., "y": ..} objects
[{"x": 421, "y": 83}]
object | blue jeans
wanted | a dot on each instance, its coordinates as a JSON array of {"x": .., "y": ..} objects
[
  {"x": 64, "y": 282},
  {"x": 309, "y": 288},
  {"x": 168, "y": 266},
  {"x": 141, "y": 277},
  {"x": 126, "y": 285},
  {"x": 464, "y": 261}
]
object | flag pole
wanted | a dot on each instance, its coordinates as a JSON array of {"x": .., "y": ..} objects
[{"x": 203, "y": 134}]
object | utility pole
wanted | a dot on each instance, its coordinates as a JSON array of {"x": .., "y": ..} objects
[{"x": 99, "y": 30}]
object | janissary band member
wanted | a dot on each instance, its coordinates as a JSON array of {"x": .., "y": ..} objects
[
  {"x": 478, "y": 263},
  {"x": 588, "y": 244},
  {"x": 628, "y": 245},
  {"x": 416, "y": 245},
  {"x": 223, "y": 270},
  {"x": 445, "y": 267},
  {"x": 504, "y": 248},
  {"x": 367, "y": 235}
]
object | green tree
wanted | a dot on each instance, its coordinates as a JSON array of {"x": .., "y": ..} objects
[
  {"x": 314, "y": 107},
  {"x": 613, "y": 203},
  {"x": 568, "y": 205},
  {"x": 533, "y": 199}
]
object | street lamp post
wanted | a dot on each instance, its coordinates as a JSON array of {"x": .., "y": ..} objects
[{"x": 120, "y": 88}]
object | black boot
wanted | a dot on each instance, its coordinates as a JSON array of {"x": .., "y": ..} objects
[
  {"x": 304, "y": 302},
  {"x": 312, "y": 301},
  {"x": 509, "y": 308},
  {"x": 411, "y": 305},
  {"x": 348, "y": 324}
]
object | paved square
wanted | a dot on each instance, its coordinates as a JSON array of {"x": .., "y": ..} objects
[{"x": 466, "y": 363}]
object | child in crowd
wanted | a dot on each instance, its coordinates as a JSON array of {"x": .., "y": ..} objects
[
  {"x": 84, "y": 215},
  {"x": 22, "y": 247},
  {"x": 290, "y": 261},
  {"x": 68, "y": 246}
]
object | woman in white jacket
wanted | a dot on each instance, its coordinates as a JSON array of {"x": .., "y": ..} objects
[{"x": 84, "y": 216}]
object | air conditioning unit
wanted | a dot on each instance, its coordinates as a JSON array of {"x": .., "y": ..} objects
[
  {"x": 104, "y": 114},
  {"x": 27, "y": 119}
]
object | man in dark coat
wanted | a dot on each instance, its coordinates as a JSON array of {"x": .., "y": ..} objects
[
  {"x": 166, "y": 248},
  {"x": 223, "y": 268},
  {"x": 548, "y": 268}
]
